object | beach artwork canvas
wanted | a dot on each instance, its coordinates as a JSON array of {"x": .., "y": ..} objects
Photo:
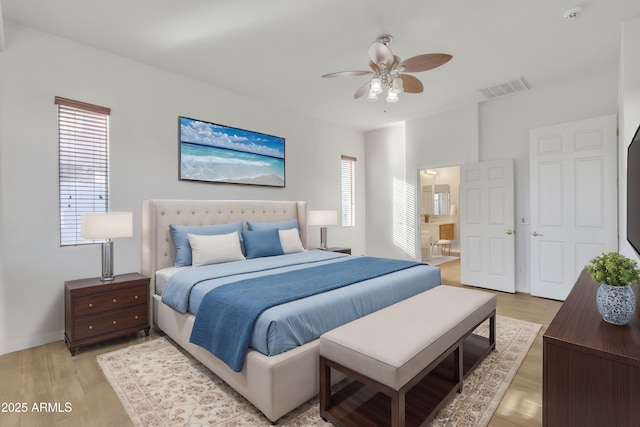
[{"x": 215, "y": 153}]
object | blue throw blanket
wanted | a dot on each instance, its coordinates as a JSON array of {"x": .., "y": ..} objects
[{"x": 227, "y": 315}]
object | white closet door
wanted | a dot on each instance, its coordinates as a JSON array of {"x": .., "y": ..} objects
[{"x": 574, "y": 217}]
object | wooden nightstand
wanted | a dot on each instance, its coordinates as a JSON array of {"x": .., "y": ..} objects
[
  {"x": 96, "y": 311},
  {"x": 341, "y": 250}
]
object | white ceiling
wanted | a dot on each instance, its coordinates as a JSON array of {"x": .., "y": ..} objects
[{"x": 277, "y": 50}]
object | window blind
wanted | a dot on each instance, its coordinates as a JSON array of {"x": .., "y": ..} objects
[
  {"x": 83, "y": 161},
  {"x": 348, "y": 190}
]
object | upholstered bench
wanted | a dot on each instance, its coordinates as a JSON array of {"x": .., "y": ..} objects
[{"x": 412, "y": 355}]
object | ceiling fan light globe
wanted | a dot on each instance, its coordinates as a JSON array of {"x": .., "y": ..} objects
[
  {"x": 392, "y": 96},
  {"x": 376, "y": 85},
  {"x": 397, "y": 86},
  {"x": 372, "y": 97}
]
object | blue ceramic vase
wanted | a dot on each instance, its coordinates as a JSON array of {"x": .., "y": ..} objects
[{"x": 616, "y": 304}]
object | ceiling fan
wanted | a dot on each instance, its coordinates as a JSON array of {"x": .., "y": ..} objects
[{"x": 387, "y": 71}]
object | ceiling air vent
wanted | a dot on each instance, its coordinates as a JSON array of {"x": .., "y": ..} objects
[{"x": 503, "y": 89}]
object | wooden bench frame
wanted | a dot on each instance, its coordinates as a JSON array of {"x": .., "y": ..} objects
[{"x": 364, "y": 401}]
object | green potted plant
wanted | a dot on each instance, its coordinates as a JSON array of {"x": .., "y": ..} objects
[
  {"x": 426, "y": 217},
  {"x": 615, "y": 299}
]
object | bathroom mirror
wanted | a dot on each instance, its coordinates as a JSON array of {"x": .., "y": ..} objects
[
  {"x": 441, "y": 199},
  {"x": 427, "y": 200}
]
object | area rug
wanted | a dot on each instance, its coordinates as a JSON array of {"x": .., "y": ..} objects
[{"x": 160, "y": 385}]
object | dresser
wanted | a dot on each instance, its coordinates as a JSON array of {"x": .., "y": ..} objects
[
  {"x": 98, "y": 310},
  {"x": 591, "y": 369}
]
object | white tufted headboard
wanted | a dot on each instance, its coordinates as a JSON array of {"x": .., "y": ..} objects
[{"x": 157, "y": 246}]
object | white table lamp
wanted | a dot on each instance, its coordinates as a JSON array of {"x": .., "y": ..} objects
[
  {"x": 107, "y": 225},
  {"x": 323, "y": 218}
]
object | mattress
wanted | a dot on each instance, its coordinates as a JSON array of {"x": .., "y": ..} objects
[
  {"x": 290, "y": 325},
  {"x": 163, "y": 276}
]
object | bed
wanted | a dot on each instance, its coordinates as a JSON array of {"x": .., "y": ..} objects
[{"x": 278, "y": 383}]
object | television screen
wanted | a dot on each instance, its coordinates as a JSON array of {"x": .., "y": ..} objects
[
  {"x": 216, "y": 153},
  {"x": 633, "y": 192}
]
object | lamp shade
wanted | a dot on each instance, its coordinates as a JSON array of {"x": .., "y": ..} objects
[
  {"x": 106, "y": 225},
  {"x": 323, "y": 218}
]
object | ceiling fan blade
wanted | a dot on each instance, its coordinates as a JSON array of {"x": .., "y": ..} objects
[
  {"x": 347, "y": 74},
  {"x": 364, "y": 89},
  {"x": 380, "y": 54},
  {"x": 373, "y": 66},
  {"x": 425, "y": 62},
  {"x": 411, "y": 84}
]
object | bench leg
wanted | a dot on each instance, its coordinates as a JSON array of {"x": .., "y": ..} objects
[
  {"x": 398, "y": 409},
  {"x": 458, "y": 365},
  {"x": 492, "y": 331},
  {"x": 325, "y": 387}
]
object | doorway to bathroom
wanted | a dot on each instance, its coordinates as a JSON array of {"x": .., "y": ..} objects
[
  {"x": 439, "y": 217},
  {"x": 481, "y": 208}
]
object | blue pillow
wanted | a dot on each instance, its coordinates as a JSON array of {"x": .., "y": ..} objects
[
  {"x": 262, "y": 243},
  {"x": 282, "y": 225},
  {"x": 181, "y": 242}
]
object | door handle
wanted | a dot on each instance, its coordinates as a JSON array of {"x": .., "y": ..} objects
[
  {"x": 536, "y": 234},
  {"x": 510, "y": 232}
]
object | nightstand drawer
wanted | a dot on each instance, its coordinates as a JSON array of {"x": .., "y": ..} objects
[
  {"x": 112, "y": 300},
  {"x": 110, "y": 322}
]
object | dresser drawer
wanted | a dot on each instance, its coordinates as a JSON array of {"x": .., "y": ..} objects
[
  {"x": 111, "y": 300},
  {"x": 112, "y": 321}
]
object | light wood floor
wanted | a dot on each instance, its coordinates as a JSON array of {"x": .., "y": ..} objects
[
  {"x": 49, "y": 374},
  {"x": 522, "y": 404}
]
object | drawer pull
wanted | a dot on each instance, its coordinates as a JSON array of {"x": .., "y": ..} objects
[
  {"x": 115, "y": 300},
  {"x": 136, "y": 317},
  {"x": 114, "y": 322},
  {"x": 135, "y": 297},
  {"x": 90, "y": 327},
  {"x": 90, "y": 305}
]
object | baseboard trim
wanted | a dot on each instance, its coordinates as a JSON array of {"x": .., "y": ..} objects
[{"x": 30, "y": 342}]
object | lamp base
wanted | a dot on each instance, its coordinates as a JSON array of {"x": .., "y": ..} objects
[
  {"x": 323, "y": 238},
  {"x": 107, "y": 261}
]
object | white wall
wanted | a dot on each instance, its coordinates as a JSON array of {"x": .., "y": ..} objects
[
  {"x": 504, "y": 133},
  {"x": 629, "y": 118},
  {"x": 2, "y": 239},
  {"x": 387, "y": 230},
  {"x": 496, "y": 129},
  {"x": 145, "y": 103},
  {"x": 444, "y": 139}
]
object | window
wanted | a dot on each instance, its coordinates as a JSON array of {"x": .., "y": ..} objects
[
  {"x": 83, "y": 161},
  {"x": 348, "y": 191}
]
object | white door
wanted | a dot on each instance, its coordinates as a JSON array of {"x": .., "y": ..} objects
[
  {"x": 487, "y": 242},
  {"x": 574, "y": 217}
]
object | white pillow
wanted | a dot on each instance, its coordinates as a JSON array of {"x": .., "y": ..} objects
[
  {"x": 290, "y": 241},
  {"x": 215, "y": 249}
]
